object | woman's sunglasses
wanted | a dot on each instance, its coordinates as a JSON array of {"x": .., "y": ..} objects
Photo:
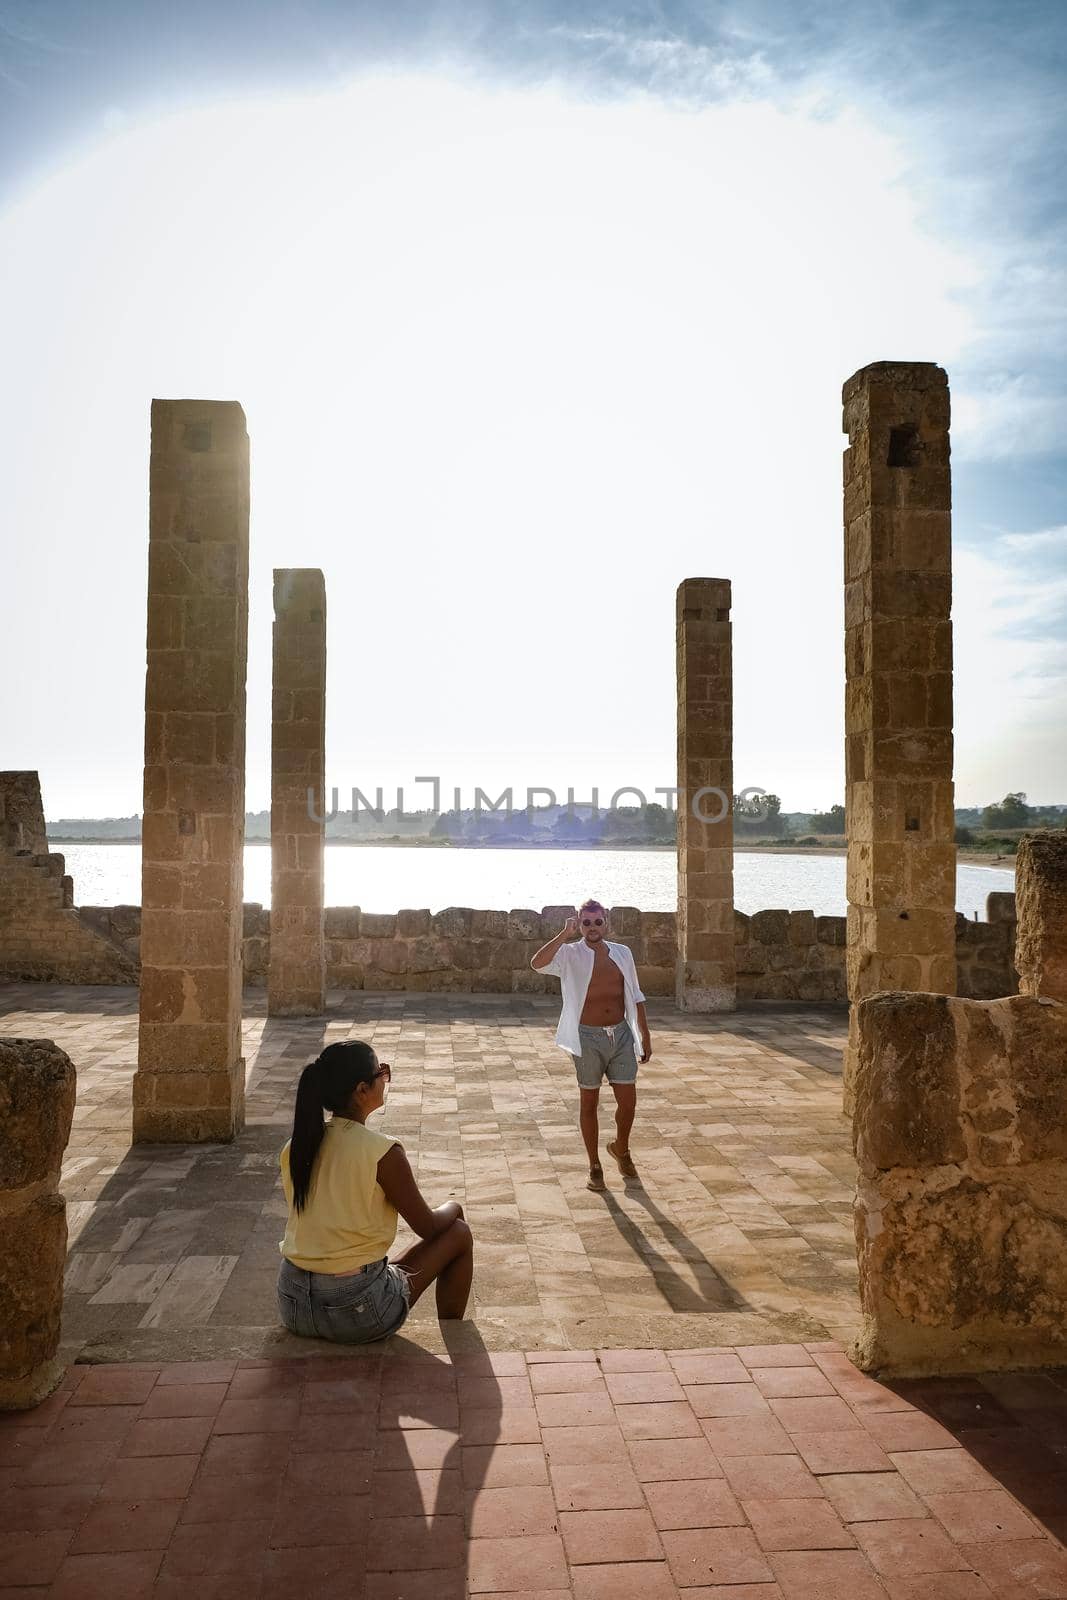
[{"x": 592, "y": 922}]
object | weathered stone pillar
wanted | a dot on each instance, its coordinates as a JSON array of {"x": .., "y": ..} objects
[
  {"x": 37, "y": 1085},
  {"x": 1041, "y": 909},
  {"x": 190, "y": 1073},
  {"x": 960, "y": 1132},
  {"x": 898, "y": 696},
  {"x": 296, "y": 986},
  {"x": 706, "y": 977}
]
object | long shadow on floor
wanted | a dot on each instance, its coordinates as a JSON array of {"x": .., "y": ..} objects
[
  {"x": 711, "y": 1293},
  {"x": 1014, "y": 1424}
]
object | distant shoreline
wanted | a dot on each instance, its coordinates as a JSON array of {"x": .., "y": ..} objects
[{"x": 971, "y": 858}]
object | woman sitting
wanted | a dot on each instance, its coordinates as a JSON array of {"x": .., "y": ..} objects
[{"x": 344, "y": 1185}]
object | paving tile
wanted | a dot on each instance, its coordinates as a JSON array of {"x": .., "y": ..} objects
[
  {"x": 31, "y": 1558},
  {"x": 804, "y": 1524},
  {"x": 503, "y": 1466},
  {"x": 71, "y": 1460},
  {"x": 185, "y": 1400},
  {"x": 907, "y": 1548},
  {"x": 816, "y": 1414},
  {"x": 246, "y": 1497},
  {"x": 412, "y": 1543},
  {"x": 515, "y": 1425},
  {"x": 118, "y": 1525},
  {"x": 826, "y": 1575},
  {"x": 941, "y": 1471},
  {"x": 658, "y": 1420},
  {"x": 309, "y": 1517},
  {"x": 257, "y": 1416},
  {"x": 325, "y": 1572},
  {"x": 982, "y": 1515},
  {"x": 790, "y": 1382},
  {"x": 746, "y": 1436},
  {"x": 727, "y": 1399},
  {"x": 605, "y": 1486},
  {"x": 330, "y": 1471},
  {"x": 182, "y": 1372},
  {"x": 939, "y": 1586},
  {"x": 45, "y": 1508},
  {"x": 424, "y": 1448},
  {"x": 629, "y": 1388},
  {"x": 479, "y": 1392},
  {"x": 771, "y": 1477},
  {"x": 670, "y": 1460},
  {"x": 435, "y": 1584},
  {"x": 715, "y": 1556},
  {"x": 240, "y": 1453},
  {"x": 94, "y": 1422},
  {"x": 603, "y": 1536},
  {"x": 129, "y": 1576},
  {"x": 115, "y": 1386},
  {"x": 572, "y": 1410},
  {"x": 775, "y": 1355},
  {"x": 412, "y": 1494},
  {"x": 633, "y": 1361},
  {"x": 630, "y": 1580},
  {"x": 167, "y": 1436},
  {"x": 512, "y": 1512},
  {"x": 559, "y": 1377},
  {"x": 719, "y": 1368},
  {"x": 908, "y": 1431},
  {"x": 191, "y": 1555},
  {"x": 154, "y": 1477},
  {"x": 1020, "y": 1569},
  {"x": 506, "y": 1566},
  {"x": 842, "y": 1452},
  {"x": 871, "y": 1496},
  {"x": 693, "y": 1503}
]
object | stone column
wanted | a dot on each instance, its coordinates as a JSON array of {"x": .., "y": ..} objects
[
  {"x": 296, "y": 986},
  {"x": 1041, "y": 909},
  {"x": 190, "y": 1073},
  {"x": 37, "y": 1086},
  {"x": 706, "y": 977},
  {"x": 898, "y": 695}
]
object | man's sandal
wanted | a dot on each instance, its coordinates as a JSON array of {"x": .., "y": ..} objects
[
  {"x": 623, "y": 1159},
  {"x": 596, "y": 1180}
]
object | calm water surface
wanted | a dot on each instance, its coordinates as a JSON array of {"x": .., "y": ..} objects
[{"x": 381, "y": 878}]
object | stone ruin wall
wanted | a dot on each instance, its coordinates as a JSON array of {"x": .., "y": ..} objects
[
  {"x": 42, "y": 935},
  {"x": 780, "y": 955}
]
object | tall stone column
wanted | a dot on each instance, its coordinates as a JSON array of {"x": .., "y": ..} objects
[
  {"x": 296, "y": 986},
  {"x": 189, "y": 1083},
  {"x": 1041, "y": 904},
  {"x": 898, "y": 696},
  {"x": 706, "y": 974}
]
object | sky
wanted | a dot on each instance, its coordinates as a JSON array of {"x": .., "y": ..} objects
[{"x": 534, "y": 310}]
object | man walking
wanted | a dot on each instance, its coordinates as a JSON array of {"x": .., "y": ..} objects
[{"x": 603, "y": 1015}]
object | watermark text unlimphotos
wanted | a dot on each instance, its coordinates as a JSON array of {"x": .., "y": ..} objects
[{"x": 707, "y": 804}]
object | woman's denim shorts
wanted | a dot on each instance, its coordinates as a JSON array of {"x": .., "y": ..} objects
[{"x": 355, "y": 1308}]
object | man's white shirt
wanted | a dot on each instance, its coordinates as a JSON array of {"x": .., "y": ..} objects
[{"x": 572, "y": 964}]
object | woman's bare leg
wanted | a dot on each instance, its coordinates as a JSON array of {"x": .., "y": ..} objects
[{"x": 447, "y": 1260}]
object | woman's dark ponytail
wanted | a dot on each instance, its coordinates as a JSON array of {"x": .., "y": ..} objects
[{"x": 327, "y": 1084}]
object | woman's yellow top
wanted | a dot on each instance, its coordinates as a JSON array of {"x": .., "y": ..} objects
[{"x": 347, "y": 1221}]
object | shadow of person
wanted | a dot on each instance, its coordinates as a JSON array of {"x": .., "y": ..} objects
[
  {"x": 709, "y": 1292},
  {"x": 439, "y": 1420}
]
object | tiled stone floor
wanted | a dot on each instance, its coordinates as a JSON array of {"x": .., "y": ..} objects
[
  {"x": 762, "y": 1473},
  {"x": 739, "y": 1231}
]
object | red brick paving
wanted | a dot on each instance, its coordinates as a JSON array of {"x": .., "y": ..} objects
[{"x": 767, "y": 1473}]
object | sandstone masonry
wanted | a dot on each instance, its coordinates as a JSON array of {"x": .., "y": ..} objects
[
  {"x": 296, "y": 984},
  {"x": 1041, "y": 889},
  {"x": 190, "y": 1074},
  {"x": 706, "y": 974},
  {"x": 960, "y": 1133},
  {"x": 898, "y": 696},
  {"x": 37, "y": 1085}
]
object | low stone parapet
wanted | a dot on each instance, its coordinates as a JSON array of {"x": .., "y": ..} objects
[
  {"x": 37, "y": 1085},
  {"x": 960, "y": 1133}
]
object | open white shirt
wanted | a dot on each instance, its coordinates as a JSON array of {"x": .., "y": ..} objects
[{"x": 572, "y": 964}]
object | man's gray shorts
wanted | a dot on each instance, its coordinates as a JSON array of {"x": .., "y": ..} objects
[{"x": 605, "y": 1050}]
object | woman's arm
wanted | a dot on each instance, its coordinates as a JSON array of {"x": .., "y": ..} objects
[{"x": 398, "y": 1182}]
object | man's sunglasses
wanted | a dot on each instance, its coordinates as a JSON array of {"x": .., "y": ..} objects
[
  {"x": 384, "y": 1071},
  {"x": 592, "y": 922}
]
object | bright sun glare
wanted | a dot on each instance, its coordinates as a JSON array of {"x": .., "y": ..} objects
[{"x": 513, "y": 366}]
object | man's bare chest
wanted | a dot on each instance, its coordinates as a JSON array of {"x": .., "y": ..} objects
[{"x": 605, "y": 980}]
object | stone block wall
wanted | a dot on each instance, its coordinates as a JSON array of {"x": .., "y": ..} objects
[
  {"x": 42, "y": 935},
  {"x": 960, "y": 1132},
  {"x": 781, "y": 955}
]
